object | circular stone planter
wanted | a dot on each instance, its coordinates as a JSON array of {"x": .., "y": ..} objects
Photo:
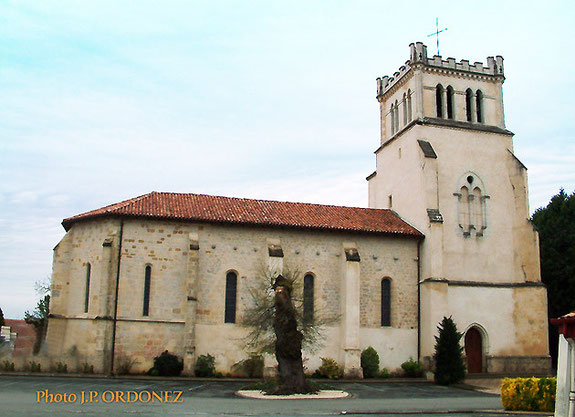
[{"x": 320, "y": 395}]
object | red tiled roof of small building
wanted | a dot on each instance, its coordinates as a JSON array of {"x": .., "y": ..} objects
[
  {"x": 566, "y": 324},
  {"x": 26, "y": 336},
  {"x": 203, "y": 208}
]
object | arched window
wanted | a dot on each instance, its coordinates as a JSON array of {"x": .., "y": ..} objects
[
  {"x": 147, "y": 282},
  {"x": 450, "y": 109},
  {"x": 472, "y": 206},
  {"x": 308, "y": 298},
  {"x": 478, "y": 211},
  {"x": 231, "y": 291},
  {"x": 404, "y": 109},
  {"x": 392, "y": 117},
  {"x": 468, "y": 104},
  {"x": 464, "y": 210},
  {"x": 438, "y": 100},
  {"x": 386, "y": 302},
  {"x": 409, "y": 113},
  {"x": 396, "y": 122},
  {"x": 479, "y": 106},
  {"x": 87, "y": 291}
]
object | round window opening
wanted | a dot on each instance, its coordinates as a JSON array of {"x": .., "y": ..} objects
[{"x": 470, "y": 179}]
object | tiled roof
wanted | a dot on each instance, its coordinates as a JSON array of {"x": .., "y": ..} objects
[
  {"x": 214, "y": 209},
  {"x": 24, "y": 344}
]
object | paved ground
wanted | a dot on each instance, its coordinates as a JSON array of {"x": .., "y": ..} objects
[{"x": 19, "y": 397}]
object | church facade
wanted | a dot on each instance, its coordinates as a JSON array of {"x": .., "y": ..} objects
[{"x": 447, "y": 234}]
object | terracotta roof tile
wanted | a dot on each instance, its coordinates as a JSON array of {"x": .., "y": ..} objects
[
  {"x": 24, "y": 344},
  {"x": 214, "y": 209}
]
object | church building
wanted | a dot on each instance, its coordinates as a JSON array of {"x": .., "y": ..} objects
[{"x": 447, "y": 233}]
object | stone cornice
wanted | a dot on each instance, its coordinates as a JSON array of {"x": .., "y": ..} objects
[
  {"x": 456, "y": 283},
  {"x": 448, "y": 123}
]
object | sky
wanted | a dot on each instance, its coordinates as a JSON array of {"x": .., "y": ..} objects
[{"x": 101, "y": 101}]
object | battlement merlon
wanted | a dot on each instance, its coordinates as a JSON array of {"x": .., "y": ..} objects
[{"x": 418, "y": 57}]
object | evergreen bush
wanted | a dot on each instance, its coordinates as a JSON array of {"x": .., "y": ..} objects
[
  {"x": 412, "y": 368},
  {"x": 205, "y": 366},
  {"x": 370, "y": 363},
  {"x": 449, "y": 366},
  {"x": 167, "y": 364},
  {"x": 330, "y": 369}
]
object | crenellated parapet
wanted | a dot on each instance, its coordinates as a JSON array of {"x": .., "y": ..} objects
[{"x": 418, "y": 58}]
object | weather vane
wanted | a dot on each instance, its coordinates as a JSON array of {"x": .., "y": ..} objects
[{"x": 437, "y": 32}]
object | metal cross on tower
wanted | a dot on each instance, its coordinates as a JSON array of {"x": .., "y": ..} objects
[{"x": 437, "y": 32}]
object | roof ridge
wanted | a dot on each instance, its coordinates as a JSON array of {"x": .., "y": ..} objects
[{"x": 264, "y": 200}]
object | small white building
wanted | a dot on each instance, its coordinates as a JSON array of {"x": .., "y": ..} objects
[{"x": 565, "y": 397}]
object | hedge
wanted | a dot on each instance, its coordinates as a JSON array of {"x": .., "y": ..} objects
[{"x": 528, "y": 394}]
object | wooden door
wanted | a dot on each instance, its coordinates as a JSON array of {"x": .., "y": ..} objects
[{"x": 474, "y": 351}]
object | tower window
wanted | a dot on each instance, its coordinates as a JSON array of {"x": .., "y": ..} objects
[
  {"x": 450, "y": 112},
  {"x": 468, "y": 101},
  {"x": 147, "y": 279},
  {"x": 409, "y": 112},
  {"x": 308, "y": 291},
  {"x": 438, "y": 100},
  {"x": 231, "y": 291},
  {"x": 396, "y": 115},
  {"x": 479, "y": 106},
  {"x": 464, "y": 221},
  {"x": 478, "y": 219},
  {"x": 392, "y": 117},
  {"x": 386, "y": 302},
  {"x": 87, "y": 291},
  {"x": 472, "y": 205},
  {"x": 404, "y": 109}
]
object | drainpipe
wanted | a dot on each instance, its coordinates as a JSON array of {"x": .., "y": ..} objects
[
  {"x": 418, "y": 301},
  {"x": 111, "y": 372}
]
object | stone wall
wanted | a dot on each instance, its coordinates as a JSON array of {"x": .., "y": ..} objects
[{"x": 165, "y": 247}]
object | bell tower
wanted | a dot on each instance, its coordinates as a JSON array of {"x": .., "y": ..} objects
[{"x": 445, "y": 163}]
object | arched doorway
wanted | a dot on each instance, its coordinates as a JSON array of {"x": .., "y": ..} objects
[{"x": 474, "y": 350}]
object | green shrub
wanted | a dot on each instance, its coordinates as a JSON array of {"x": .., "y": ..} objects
[
  {"x": 87, "y": 369},
  {"x": 8, "y": 366},
  {"x": 205, "y": 366},
  {"x": 370, "y": 363},
  {"x": 330, "y": 369},
  {"x": 167, "y": 364},
  {"x": 253, "y": 367},
  {"x": 412, "y": 368},
  {"x": 384, "y": 374},
  {"x": 528, "y": 394},
  {"x": 448, "y": 357},
  {"x": 61, "y": 368},
  {"x": 35, "y": 367}
]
